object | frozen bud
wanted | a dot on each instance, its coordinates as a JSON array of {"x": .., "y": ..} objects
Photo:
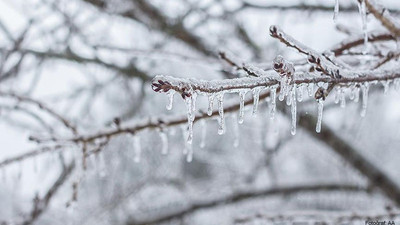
[
  {"x": 273, "y": 31},
  {"x": 321, "y": 93}
]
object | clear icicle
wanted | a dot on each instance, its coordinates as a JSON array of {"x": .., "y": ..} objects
[
  {"x": 242, "y": 95},
  {"x": 210, "y": 104},
  {"x": 342, "y": 99},
  {"x": 337, "y": 95},
  {"x": 170, "y": 95},
  {"x": 336, "y": 11},
  {"x": 164, "y": 142},
  {"x": 221, "y": 119},
  {"x": 137, "y": 148},
  {"x": 273, "y": 103},
  {"x": 396, "y": 84},
  {"x": 310, "y": 89},
  {"x": 203, "y": 125},
  {"x": 386, "y": 85},
  {"x": 236, "y": 133},
  {"x": 284, "y": 83},
  {"x": 365, "y": 89},
  {"x": 256, "y": 99},
  {"x": 320, "y": 112},
  {"x": 289, "y": 99},
  {"x": 189, "y": 155},
  {"x": 356, "y": 94},
  {"x": 293, "y": 110},
  {"x": 184, "y": 135},
  {"x": 190, "y": 107},
  {"x": 300, "y": 93},
  {"x": 352, "y": 92}
]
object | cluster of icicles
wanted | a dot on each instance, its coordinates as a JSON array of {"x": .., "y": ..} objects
[{"x": 291, "y": 94}]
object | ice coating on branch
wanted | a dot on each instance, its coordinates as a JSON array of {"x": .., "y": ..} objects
[
  {"x": 286, "y": 71},
  {"x": 363, "y": 13},
  {"x": 203, "y": 126},
  {"x": 336, "y": 11},
  {"x": 256, "y": 98},
  {"x": 221, "y": 119},
  {"x": 210, "y": 104},
  {"x": 164, "y": 142},
  {"x": 365, "y": 89},
  {"x": 170, "y": 95},
  {"x": 273, "y": 103},
  {"x": 320, "y": 112},
  {"x": 242, "y": 95},
  {"x": 137, "y": 148},
  {"x": 293, "y": 110}
]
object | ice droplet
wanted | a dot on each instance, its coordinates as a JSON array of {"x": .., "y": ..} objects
[
  {"x": 242, "y": 95},
  {"x": 256, "y": 99},
  {"x": 170, "y": 95},
  {"x": 137, "y": 148},
  {"x": 320, "y": 112},
  {"x": 203, "y": 125},
  {"x": 293, "y": 110},
  {"x": 273, "y": 103},
  {"x": 221, "y": 120},
  {"x": 365, "y": 89}
]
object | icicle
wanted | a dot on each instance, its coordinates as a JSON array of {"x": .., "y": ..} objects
[
  {"x": 256, "y": 98},
  {"x": 137, "y": 148},
  {"x": 320, "y": 111},
  {"x": 221, "y": 120},
  {"x": 170, "y": 95},
  {"x": 184, "y": 131},
  {"x": 164, "y": 142},
  {"x": 190, "y": 108},
  {"x": 337, "y": 95},
  {"x": 365, "y": 89},
  {"x": 386, "y": 85},
  {"x": 352, "y": 92},
  {"x": 236, "y": 133},
  {"x": 342, "y": 99},
  {"x": 273, "y": 103},
  {"x": 189, "y": 156},
  {"x": 356, "y": 94},
  {"x": 203, "y": 125},
  {"x": 242, "y": 95},
  {"x": 363, "y": 13},
  {"x": 300, "y": 93},
  {"x": 336, "y": 12},
  {"x": 396, "y": 84},
  {"x": 310, "y": 89},
  {"x": 289, "y": 98},
  {"x": 210, "y": 104},
  {"x": 284, "y": 83},
  {"x": 293, "y": 110}
]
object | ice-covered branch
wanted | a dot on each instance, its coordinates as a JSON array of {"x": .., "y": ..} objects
[
  {"x": 243, "y": 196},
  {"x": 383, "y": 16}
]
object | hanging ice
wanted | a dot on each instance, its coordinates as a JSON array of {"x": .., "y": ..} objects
[
  {"x": 203, "y": 125},
  {"x": 386, "y": 85},
  {"x": 236, "y": 133},
  {"x": 190, "y": 117},
  {"x": 336, "y": 12},
  {"x": 210, "y": 104},
  {"x": 189, "y": 156},
  {"x": 293, "y": 110},
  {"x": 310, "y": 89},
  {"x": 289, "y": 99},
  {"x": 221, "y": 120},
  {"x": 170, "y": 95},
  {"x": 256, "y": 98},
  {"x": 356, "y": 94},
  {"x": 365, "y": 89},
  {"x": 164, "y": 142},
  {"x": 337, "y": 95},
  {"x": 320, "y": 111},
  {"x": 242, "y": 95},
  {"x": 300, "y": 93},
  {"x": 284, "y": 84},
  {"x": 137, "y": 148},
  {"x": 184, "y": 135},
  {"x": 273, "y": 103},
  {"x": 342, "y": 98}
]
